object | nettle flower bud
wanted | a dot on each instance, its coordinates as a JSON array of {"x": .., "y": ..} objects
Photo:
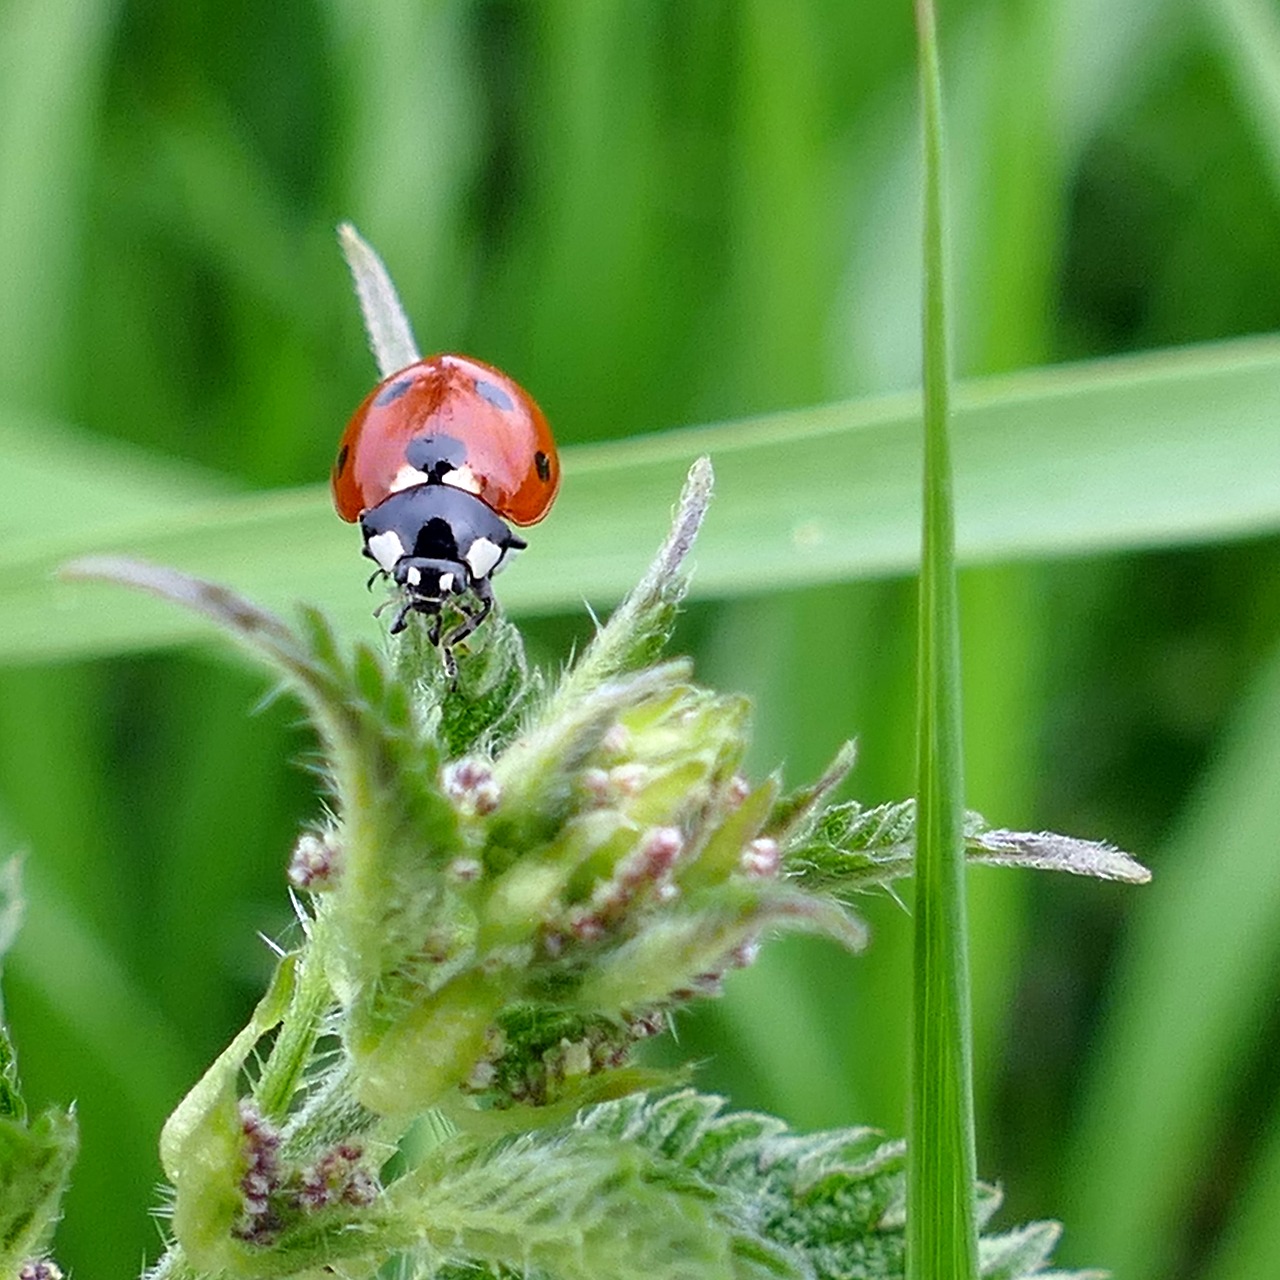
[
  {"x": 315, "y": 861},
  {"x": 40, "y": 1269},
  {"x": 470, "y": 784}
]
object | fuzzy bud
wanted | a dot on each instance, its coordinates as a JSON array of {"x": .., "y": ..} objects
[
  {"x": 761, "y": 859},
  {"x": 595, "y": 782},
  {"x": 464, "y": 870},
  {"x": 40, "y": 1269},
  {"x": 314, "y": 862},
  {"x": 261, "y": 1178},
  {"x": 470, "y": 784},
  {"x": 627, "y": 779},
  {"x": 336, "y": 1179}
]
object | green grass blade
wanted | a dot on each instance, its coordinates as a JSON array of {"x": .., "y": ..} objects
[
  {"x": 1250, "y": 1242},
  {"x": 52, "y": 63},
  {"x": 942, "y": 1237},
  {"x": 1149, "y": 451},
  {"x": 88, "y": 480},
  {"x": 1250, "y": 34},
  {"x": 1192, "y": 994}
]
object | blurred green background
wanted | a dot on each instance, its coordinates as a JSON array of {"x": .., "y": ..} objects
[{"x": 654, "y": 214}]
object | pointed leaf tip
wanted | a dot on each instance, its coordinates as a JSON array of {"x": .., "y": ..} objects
[
  {"x": 390, "y": 334},
  {"x": 1046, "y": 851},
  {"x": 219, "y": 603}
]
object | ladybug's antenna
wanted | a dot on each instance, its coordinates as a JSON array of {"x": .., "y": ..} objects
[{"x": 390, "y": 335}]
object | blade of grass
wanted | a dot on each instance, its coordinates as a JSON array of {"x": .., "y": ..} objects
[
  {"x": 1193, "y": 993},
  {"x": 105, "y": 479},
  {"x": 52, "y": 61},
  {"x": 1148, "y": 451},
  {"x": 1249, "y": 31},
  {"x": 942, "y": 1238},
  {"x": 399, "y": 124},
  {"x": 1250, "y": 1243}
]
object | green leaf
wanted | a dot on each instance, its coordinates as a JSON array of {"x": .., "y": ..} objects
[
  {"x": 35, "y": 1156},
  {"x": 35, "y": 1166},
  {"x": 215, "y": 1092},
  {"x": 638, "y": 630},
  {"x": 1163, "y": 449},
  {"x": 574, "y": 1205},
  {"x": 830, "y": 1202},
  {"x": 853, "y": 849}
]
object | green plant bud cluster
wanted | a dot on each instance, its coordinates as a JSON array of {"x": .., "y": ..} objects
[{"x": 510, "y": 923}]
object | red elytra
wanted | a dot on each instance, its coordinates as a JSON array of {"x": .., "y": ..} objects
[{"x": 499, "y": 432}]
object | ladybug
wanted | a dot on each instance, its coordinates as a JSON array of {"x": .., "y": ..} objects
[{"x": 433, "y": 464}]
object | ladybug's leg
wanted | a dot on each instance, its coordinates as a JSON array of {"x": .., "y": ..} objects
[
  {"x": 433, "y": 627},
  {"x": 402, "y": 617},
  {"x": 373, "y": 577},
  {"x": 472, "y": 619},
  {"x": 482, "y": 592},
  {"x": 450, "y": 666}
]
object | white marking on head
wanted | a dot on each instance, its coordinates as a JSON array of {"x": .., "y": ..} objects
[
  {"x": 483, "y": 557},
  {"x": 413, "y": 575},
  {"x": 462, "y": 478},
  {"x": 407, "y": 477},
  {"x": 446, "y": 582},
  {"x": 386, "y": 548}
]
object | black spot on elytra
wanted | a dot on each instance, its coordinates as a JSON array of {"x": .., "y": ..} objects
[
  {"x": 389, "y": 395},
  {"x": 341, "y": 464},
  {"x": 495, "y": 395},
  {"x": 543, "y": 464}
]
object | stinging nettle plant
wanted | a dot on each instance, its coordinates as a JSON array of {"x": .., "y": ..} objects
[{"x": 512, "y": 888}]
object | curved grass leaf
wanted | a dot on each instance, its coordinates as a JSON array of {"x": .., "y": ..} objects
[
  {"x": 1192, "y": 991},
  {"x": 1171, "y": 448}
]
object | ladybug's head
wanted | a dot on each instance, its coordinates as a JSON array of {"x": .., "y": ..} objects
[
  {"x": 429, "y": 580},
  {"x": 438, "y": 543}
]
